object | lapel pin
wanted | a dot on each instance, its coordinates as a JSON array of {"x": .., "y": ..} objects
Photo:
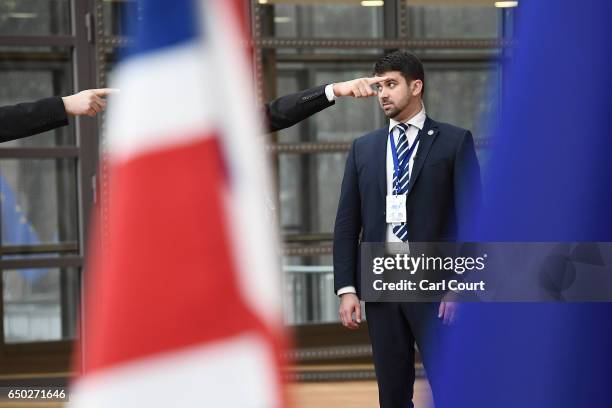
[{"x": 430, "y": 132}]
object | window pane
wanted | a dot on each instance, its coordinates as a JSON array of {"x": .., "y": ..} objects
[
  {"x": 31, "y": 73},
  {"x": 40, "y": 304},
  {"x": 320, "y": 19},
  {"x": 331, "y": 54},
  {"x": 454, "y": 21},
  {"x": 329, "y": 173},
  {"x": 292, "y": 212},
  {"x": 309, "y": 290},
  {"x": 39, "y": 202},
  {"x": 117, "y": 13},
  {"x": 35, "y": 17},
  {"x": 309, "y": 191},
  {"x": 466, "y": 97}
]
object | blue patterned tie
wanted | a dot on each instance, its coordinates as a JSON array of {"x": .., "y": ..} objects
[{"x": 400, "y": 181}]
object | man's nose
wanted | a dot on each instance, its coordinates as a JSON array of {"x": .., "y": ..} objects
[{"x": 382, "y": 92}]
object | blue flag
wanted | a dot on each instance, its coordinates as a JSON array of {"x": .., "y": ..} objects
[
  {"x": 16, "y": 229},
  {"x": 549, "y": 179}
]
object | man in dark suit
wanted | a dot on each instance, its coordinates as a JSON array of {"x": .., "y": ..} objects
[
  {"x": 290, "y": 109},
  {"x": 433, "y": 165},
  {"x": 26, "y": 119}
]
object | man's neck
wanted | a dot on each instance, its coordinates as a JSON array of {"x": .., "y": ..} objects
[{"x": 409, "y": 113}]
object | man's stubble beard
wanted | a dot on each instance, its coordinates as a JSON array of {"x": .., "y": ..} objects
[
  {"x": 391, "y": 114},
  {"x": 396, "y": 110}
]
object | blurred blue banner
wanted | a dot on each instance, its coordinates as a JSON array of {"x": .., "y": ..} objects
[
  {"x": 16, "y": 229},
  {"x": 549, "y": 179}
]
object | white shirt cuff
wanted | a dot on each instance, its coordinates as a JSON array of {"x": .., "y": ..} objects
[
  {"x": 329, "y": 92},
  {"x": 346, "y": 289}
]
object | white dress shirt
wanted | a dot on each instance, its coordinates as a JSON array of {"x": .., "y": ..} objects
[
  {"x": 415, "y": 124},
  {"x": 329, "y": 92}
]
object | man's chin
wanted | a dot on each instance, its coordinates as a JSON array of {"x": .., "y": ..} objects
[{"x": 391, "y": 113}]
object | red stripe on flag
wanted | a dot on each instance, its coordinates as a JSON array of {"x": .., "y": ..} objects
[
  {"x": 240, "y": 11},
  {"x": 170, "y": 280}
]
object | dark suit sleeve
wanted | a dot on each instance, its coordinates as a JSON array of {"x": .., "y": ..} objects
[
  {"x": 290, "y": 109},
  {"x": 468, "y": 188},
  {"x": 26, "y": 119},
  {"x": 348, "y": 227}
]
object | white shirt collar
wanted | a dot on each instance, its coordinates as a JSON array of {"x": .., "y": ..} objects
[{"x": 417, "y": 120}]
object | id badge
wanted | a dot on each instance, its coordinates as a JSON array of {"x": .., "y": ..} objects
[{"x": 396, "y": 208}]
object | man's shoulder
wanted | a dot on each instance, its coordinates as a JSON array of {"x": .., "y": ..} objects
[
  {"x": 370, "y": 138},
  {"x": 449, "y": 129}
]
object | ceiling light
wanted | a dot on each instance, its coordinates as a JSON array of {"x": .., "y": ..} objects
[
  {"x": 22, "y": 15},
  {"x": 506, "y": 4},
  {"x": 282, "y": 19},
  {"x": 372, "y": 3}
]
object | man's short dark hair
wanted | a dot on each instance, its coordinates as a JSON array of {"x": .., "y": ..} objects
[{"x": 405, "y": 62}]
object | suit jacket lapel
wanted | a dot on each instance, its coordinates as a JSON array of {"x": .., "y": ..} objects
[
  {"x": 427, "y": 136},
  {"x": 380, "y": 158}
]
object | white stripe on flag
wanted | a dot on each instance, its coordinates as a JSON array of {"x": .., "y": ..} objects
[
  {"x": 241, "y": 369},
  {"x": 166, "y": 100},
  {"x": 253, "y": 226}
]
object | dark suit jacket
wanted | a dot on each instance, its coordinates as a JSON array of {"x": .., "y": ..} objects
[
  {"x": 26, "y": 119},
  {"x": 290, "y": 109},
  {"x": 443, "y": 193}
]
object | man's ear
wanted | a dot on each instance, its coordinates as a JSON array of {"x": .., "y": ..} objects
[{"x": 416, "y": 87}]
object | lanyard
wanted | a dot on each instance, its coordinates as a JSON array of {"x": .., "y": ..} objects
[{"x": 396, "y": 165}]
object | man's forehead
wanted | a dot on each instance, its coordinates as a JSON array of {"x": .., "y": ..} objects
[{"x": 395, "y": 75}]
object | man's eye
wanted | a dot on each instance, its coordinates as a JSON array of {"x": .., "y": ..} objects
[{"x": 392, "y": 85}]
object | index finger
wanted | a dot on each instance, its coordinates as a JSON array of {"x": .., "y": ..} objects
[
  {"x": 105, "y": 91},
  {"x": 376, "y": 80}
]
